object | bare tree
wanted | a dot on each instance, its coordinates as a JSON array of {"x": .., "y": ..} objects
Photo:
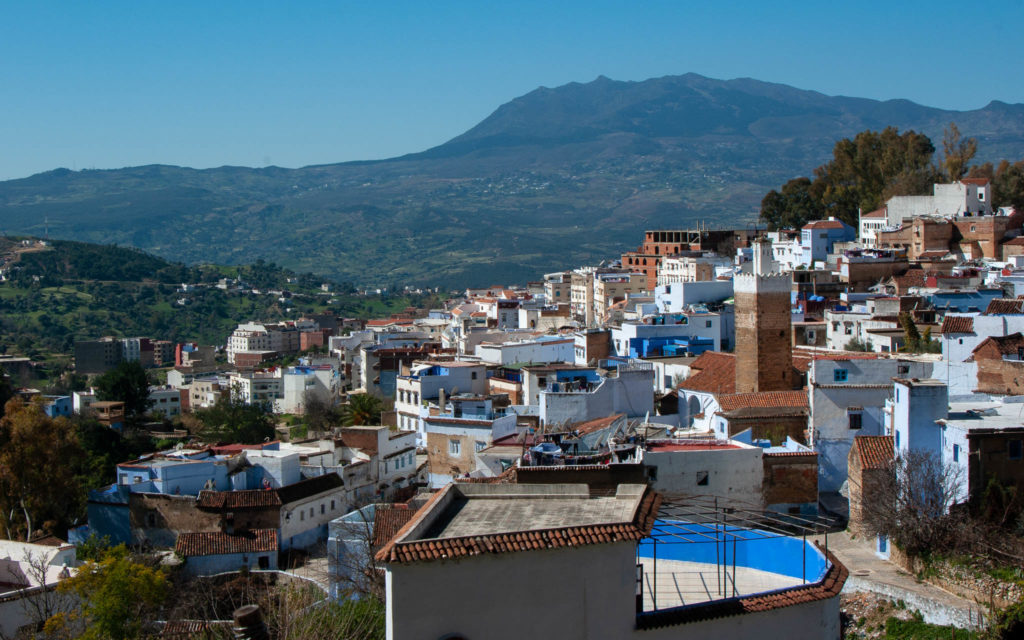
[
  {"x": 914, "y": 503},
  {"x": 38, "y": 600}
]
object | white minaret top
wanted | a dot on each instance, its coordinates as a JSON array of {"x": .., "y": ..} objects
[{"x": 763, "y": 262}]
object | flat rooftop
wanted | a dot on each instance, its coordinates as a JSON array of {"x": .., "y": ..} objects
[
  {"x": 525, "y": 508},
  {"x": 984, "y": 415},
  {"x": 468, "y": 519},
  {"x": 698, "y": 445}
]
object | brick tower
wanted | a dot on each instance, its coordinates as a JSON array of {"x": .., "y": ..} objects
[{"x": 764, "y": 347}]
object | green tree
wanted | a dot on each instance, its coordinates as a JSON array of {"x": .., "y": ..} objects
[
  {"x": 117, "y": 594},
  {"x": 38, "y": 458},
  {"x": 231, "y": 420},
  {"x": 793, "y": 207},
  {"x": 911, "y": 336},
  {"x": 362, "y": 409},
  {"x": 958, "y": 152},
  {"x": 129, "y": 383}
]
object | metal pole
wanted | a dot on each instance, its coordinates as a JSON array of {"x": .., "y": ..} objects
[
  {"x": 734, "y": 567},
  {"x": 803, "y": 567},
  {"x": 654, "y": 587}
]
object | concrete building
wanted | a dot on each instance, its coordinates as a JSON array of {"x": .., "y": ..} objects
[
  {"x": 29, "y": 576},
  {"x": 848, "y": 395},
  {"x": 425, "y": 380},
  {"x": 629, "y": 391},
  {"x": 214, "y": 552},
  {"x": 541, "y": 349},
  {"x": 594, "y": 555},
  {"x": 97, "y": 356}
]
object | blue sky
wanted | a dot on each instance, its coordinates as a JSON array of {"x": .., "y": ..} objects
[{"x": 112, "y": 84}]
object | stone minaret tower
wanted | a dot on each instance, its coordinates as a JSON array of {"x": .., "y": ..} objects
[{"x": 764, "y": 340}]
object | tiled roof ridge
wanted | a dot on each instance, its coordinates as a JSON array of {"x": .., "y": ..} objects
[
  {"x": 875, "y": 452},
  {"x": 552, "y": 538},
  {"x": 828, "y": 587},
  {"x": 957, "y": 324},
  {"x": 219, "y": 543},
  {"x": 1005, "y": 344}
]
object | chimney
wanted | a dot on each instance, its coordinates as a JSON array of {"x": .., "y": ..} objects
[{"x": 440, "y": 400}]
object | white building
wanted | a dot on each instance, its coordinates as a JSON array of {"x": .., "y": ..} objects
[
  {"x": 630, "y": 391},
  {"x": 542, "y": 349}
]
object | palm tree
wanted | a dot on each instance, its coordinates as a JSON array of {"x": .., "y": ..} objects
[{"x": 362, "y": 409}]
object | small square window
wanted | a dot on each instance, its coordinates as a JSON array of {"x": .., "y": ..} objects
[
  {"x": 707, "y": 323},
  {"x": 903, "y": 369},
  {"x": 702, "y": 478},
  {"x": 1014, "y": 449},
  {"x": 840, "y": 375}
]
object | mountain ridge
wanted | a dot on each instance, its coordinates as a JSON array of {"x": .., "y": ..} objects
[{"x": 502, "y": 200}]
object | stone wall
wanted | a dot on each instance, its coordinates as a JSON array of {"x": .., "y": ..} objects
[
  {"x": 790, "y": 479},
  {"x": 965, "y": 582}
]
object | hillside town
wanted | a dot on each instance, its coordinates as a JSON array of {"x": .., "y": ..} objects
[{"x": 696, "y": 437}]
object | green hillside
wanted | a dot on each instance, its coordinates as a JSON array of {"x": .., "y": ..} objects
[{"x": 553, "y": 179}]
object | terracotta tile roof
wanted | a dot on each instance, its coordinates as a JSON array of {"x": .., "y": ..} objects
[
  {"x": 216, "y": 543},
  {"x": 1015, "y": 242},
  {"x": 910, "y": 280},
  {"x": 596, "y": 425},
  {"x": 763, "y": 399},
  {"x": 389, "y": 520},
  {"x": 927, "y": 255},
  {"x": 875, "y": 452},
  {"x": 464, "y": 421},
  {"x": 846, "y": 356},
  {"x": 1003, "y": 306},
  {"x": 829, "y": 587},
  {"x": 309, "y": 487},
  {"x": 957, "y": 324},
  {"x": 877, "y": 213},
  {"x": 824, "y": 224},
  {"x": 716, "y": 373},
  {"x": 981, "y": 182},
  {"x": 192, "y": 629},
  {"x": 1007, "y": 345},
  {"x": 441, "y": 548},
  {"x": 228, "y": 500}
]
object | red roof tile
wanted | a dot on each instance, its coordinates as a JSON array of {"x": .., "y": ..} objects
[
  {"x": 596, "y": 425},
  {"x": 1003, "y": 306},
  {"x": 763, "y": 399},
  {"x": 715, "y": 373},
  {"x": 388, "y": 520},
  {"x": 217, "y": 543},
  {"x": 441, "y": 548},
  {"x": 248, "y": 499},
  {"x": 957, "y": 324},
  {"x": 1007, "y": 345},
  {"x": 875, "y": 452},
  {"x": 824, "y": 224},
  {"x": 981, "y": 182}
]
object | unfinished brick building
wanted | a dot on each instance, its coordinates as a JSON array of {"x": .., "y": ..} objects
[{"x": 764, "y": 333}]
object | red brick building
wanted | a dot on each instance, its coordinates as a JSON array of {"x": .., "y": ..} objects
[{"x": 658, "y": 244}]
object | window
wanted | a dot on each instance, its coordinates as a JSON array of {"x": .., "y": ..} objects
[
  {"x": 856, "y": 419},
  {"x": 897, "y": 439},
  {"x": 454, "y": 448},
  {"x": 311, "y": 512},
  {"x": 702, "y": 478},
  {"x": 473, "y": 375},
  {"x": 332, "y": 505},
  {"x": 903, "y": 369},
  {"x": 707, "y": 323},
  {"x": 956, "y": 453},
  {"x": 302, "y": 516},
  {"x": 652, "y": 473},
  {"x": 810, "y": 335},
  {"x": 1014, "y": 449},
  {"x": 323, "y": 509},
  {"x": 480, "y": 446},
  {"x": 840, "y": 375}
]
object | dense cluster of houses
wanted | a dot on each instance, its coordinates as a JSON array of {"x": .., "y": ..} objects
[{"x": 552, "y": 434}]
